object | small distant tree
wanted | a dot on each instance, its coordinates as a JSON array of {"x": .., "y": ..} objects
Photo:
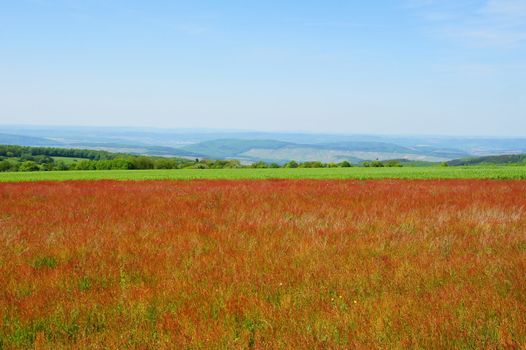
[
  {"x": 5, "y": 166},
  {"x": 345, "y": 164},
  {"x": 259, "y": 165},
  {"x": 29, "y": 166},
  {"x": 233, "y": 164},
  {"x": 60, "y": 165},
  {"x": 393, "y": 163},
  {"x": 291, "y": 164},
  {"x": 142, "y": 163},
  {"x": 42, "y": 159},
  {"x": 46, "y": 167},
  {"x": 200, "y": 166},
  {"x": 123, "y": 164},
  {"x": 26, "y": 157},
  {"x": 85, "y": 165},
  {"x": 311, "y": 165},
  {"x": 165, "y": 164}
]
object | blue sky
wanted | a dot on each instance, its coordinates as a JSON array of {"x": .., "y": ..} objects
[{"x": 383, "y": 67}]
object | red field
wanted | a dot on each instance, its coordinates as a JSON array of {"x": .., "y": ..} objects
[{"x": 263, "y": 264}]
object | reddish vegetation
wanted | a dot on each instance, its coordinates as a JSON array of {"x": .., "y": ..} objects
[{"x": 263, "y": 264}]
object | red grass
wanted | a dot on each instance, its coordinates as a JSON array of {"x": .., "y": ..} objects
[{"x": 263, "y": 264}]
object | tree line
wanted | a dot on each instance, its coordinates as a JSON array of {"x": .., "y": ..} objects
[
  {"x": 24, "y": 158},
  {"x": 19, "y": 151}
]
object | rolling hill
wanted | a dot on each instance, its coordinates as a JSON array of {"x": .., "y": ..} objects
[
  {"x": 232, "y": 148},
  {"x": 22, "y": 140},
  {"x": 507, "y": 159},
  {"x": 355, "y": 151},
  {"x": 252, "y": 146}
]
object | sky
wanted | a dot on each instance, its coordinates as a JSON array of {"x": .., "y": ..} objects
[{"x": 441, "y": 67}]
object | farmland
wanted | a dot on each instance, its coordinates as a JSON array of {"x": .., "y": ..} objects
[
  {"x": 467, "y": 172},
  {"x": 262, "y": 264}
]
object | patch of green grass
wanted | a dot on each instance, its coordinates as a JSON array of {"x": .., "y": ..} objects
[
  {"x": 44, "y": 262},
  {"x": 84, "y": 284},
  {"x": 468, "y": 172},
  {"x": 68, "y": 160}
]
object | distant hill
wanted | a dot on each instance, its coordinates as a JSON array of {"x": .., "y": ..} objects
[
  {"x": 22, "y": 140},
  {"x": 486, "y": 160},
  {"x": 229, "y": 148},
  {"x": 162, "y": 151},
  {"x": 354, "y": 151},
  {"x": 253, "y": 146},
  {"x": 388, "y": 147}
]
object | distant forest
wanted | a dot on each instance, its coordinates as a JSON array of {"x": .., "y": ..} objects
[
  {"x": 507, "y": 159},
  {"x": 24, "y": 158}
]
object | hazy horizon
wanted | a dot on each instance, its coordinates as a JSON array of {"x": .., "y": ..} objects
[
  {"x": 403, "y": 67},
  {"x": 154, "y": 129}
]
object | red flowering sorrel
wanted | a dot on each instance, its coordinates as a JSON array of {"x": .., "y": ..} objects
[{"x": 263, "y": 264}]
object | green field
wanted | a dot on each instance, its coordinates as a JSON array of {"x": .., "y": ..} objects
[
  {"x": 68, "y": 160},
  {"x": 471, "y": 172}
]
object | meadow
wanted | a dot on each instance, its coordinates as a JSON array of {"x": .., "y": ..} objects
[
  {"x": 272, "y": 264},
  {"x": 436, "y": 172}
]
